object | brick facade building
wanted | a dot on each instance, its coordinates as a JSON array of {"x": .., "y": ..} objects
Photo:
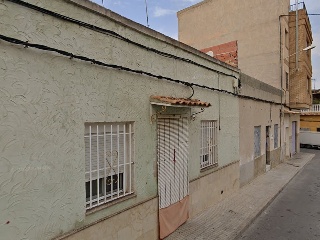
[{"x": 300, "y": 74}]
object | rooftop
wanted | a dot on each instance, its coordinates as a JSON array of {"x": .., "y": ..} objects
[{"x": 293, "y": 7}]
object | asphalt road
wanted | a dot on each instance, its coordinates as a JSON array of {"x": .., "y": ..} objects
[{"x": 295, "y": 213}]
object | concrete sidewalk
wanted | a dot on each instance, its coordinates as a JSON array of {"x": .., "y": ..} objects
[{"x": 230, "y": 217}]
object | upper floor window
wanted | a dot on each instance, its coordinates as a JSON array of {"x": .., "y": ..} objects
[
  {"x": 209, "y": 143},
  {"x": 108, "y": 162}
]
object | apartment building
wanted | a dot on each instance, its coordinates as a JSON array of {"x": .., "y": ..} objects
[{"x": 257, "y": 37}]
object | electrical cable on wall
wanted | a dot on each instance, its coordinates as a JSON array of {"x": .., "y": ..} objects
[
  {"x": 113, "y": 34},
  {"x": 27, "y": 44}
]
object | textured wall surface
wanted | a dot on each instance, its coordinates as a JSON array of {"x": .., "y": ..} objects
[
  {"x": 212, "y": 188},
  {"x": 137, "y": 223},
  {"x": 45, "y": 99}
]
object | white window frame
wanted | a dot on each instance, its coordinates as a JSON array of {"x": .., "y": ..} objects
[
  {"x": 109, "y": 159},
  {"x": 209, "y": 144}
]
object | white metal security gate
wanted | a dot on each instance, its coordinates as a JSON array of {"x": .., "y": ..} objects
[
  {"x": 173, "y": 182},
  {"x": 294, "y": 124}
]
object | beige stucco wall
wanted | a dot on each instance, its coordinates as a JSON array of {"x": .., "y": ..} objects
[
  {"x": 257, "y": 113},
  {"x": 46, "y": 99},
  {"x": 136, "y": 223},
  {"x": 213, "y": 187},
  {"x": 254, "y": 24}
]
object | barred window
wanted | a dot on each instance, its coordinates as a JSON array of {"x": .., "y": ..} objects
[
  {"x": 208, "y": 154},
  {"x": 276, "y": 134},
  {"x": 257, "y": 141},
  {"x": 108, "y": 162}
]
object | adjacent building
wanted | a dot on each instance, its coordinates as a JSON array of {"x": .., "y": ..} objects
[
  {"x": 255, "y": 28},
  {"x": 259, "y": 128},
  {"x": 310, "y": 118},
  {"x": 300, "y": 61},
  {"x": 258, "y": 38}
]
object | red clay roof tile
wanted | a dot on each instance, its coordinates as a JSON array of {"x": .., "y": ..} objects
[{"x": 180, "y": 101}]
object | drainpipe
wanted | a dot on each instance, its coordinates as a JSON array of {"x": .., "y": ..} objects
[
  {"x": 281, "y": 109},
  {"x": 297, "y": 36},
  {"x": 281, "y": 83}
]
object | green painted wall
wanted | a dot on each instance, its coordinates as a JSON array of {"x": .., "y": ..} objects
[{"x": 45, "y": 99}]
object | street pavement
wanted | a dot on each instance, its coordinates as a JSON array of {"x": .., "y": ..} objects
[
  {"x": 230, "y": 217},
  {"x": 295, "y": 212}
]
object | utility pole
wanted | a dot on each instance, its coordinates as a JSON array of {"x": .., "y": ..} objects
[
  {"x": 145, "y": 1},
  {"x": 314, "y": 83}
]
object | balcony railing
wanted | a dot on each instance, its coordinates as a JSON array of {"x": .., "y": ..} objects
[
  {"x": 301, "y": 5},
  {"x": 313, "y": 108}
]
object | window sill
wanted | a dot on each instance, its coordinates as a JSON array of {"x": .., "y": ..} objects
[
  {"x": 215, "y": 165},
  {"x": 109, "y": 204}
]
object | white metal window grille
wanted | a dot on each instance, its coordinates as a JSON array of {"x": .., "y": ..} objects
[
  {"x": 257, "y": 141},
  {"x": 276, "y": 134},
  {"x": 208, "y": 150},
  {"x": 109, "y": 162}
]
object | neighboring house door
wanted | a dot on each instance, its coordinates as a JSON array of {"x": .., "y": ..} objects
[
  {"x": 173, "y": 181},
  {"x": 287, "y": 142},
  {"x": 293, "y": 149},
  {"x": 267, "y": 148}
]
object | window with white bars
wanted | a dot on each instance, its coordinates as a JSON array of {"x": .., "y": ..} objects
[
  {"x": 257, "y": 141},
  {"x": 209, "y": 143},
  {"x": 109, "y": 159}
]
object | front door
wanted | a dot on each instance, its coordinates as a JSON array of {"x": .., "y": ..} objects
[
  {"x": 293, "y": 139},
  {"x": 173, "y": 182},
  {"x": 267, "y": 148}
]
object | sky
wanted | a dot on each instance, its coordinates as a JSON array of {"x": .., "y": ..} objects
[{"x": 163, "y": 18}]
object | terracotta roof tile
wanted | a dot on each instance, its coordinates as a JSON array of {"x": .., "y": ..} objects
[{"x": 180, "y": 101}]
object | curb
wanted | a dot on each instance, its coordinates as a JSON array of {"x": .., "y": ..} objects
[{"x": 247, "y": 224}]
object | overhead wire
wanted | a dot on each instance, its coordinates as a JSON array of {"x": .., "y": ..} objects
[
  {"x": 114, "y": 34},
  {"x": 27, "y": 44}
]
